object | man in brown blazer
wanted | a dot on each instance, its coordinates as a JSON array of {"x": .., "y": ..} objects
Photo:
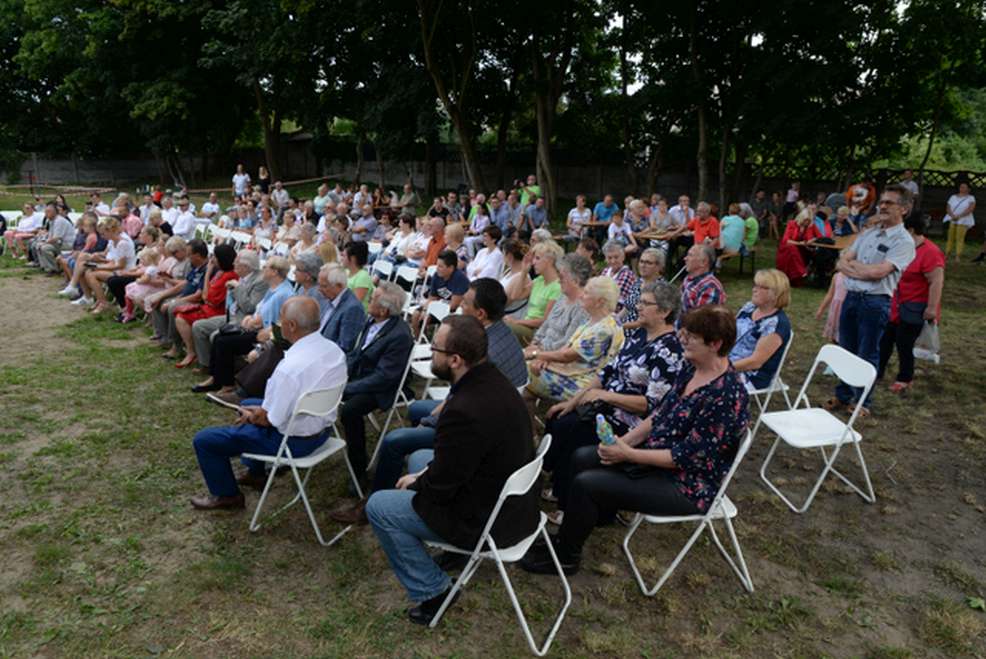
[{"x": 483, "y": 435}]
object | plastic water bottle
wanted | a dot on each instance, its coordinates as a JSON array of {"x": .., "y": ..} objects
[{"x": 604, "y": 431}]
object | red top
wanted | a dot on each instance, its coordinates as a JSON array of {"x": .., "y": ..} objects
[
  {"x": 157, "y": 195},
  {"x": 215, "y": 297},
  {"x": 709, "y": 228},
  {"x": 913, "y": 286}
]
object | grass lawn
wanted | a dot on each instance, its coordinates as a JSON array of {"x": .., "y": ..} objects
[{"x": 104, "y": 556}]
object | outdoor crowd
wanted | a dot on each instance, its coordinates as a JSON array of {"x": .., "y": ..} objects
[{"x": 535, "y": 333}]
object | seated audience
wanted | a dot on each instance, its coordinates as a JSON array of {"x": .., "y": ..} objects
[
  {"x": 670, "y": 464},
  {"x": 762, "y": 330},
  {"x": 360, "y": 282},
  {"x": 454, "y": 242},
  {"x": 559, "y": 374},
  {"x": 120, "y": 257},
  {"x": 48, "y": 244},
  {"x": 541, "y": 293},
  {"x": 516, "y": 277},
  {"x": 700, "y": 286},
  {"x": 28, "y": 227},
  {"x": 448, "y": 285},
  {"x": 624, "y": 391},
  {"x": 480, "y": 440},
  {"x": 793, "y": 254},
  {"x": 219, "y": 273},
  {"x": 312, "y": 362},
  {"x": 245, "y": 294},
  {"x": 488, "y": 261},
  {"x": 344, "y": 316},
  {"x": 629, "y": 285},
  {"x": 567, "y": 313},
  {"x": 376, "y": 365}
]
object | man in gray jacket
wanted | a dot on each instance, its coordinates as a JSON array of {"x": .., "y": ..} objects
[{"x": 245, "y": 294}]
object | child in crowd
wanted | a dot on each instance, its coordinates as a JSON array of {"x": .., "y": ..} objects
[
  {"x": 833, "y": 302},
  {"x": 148, "y": 282}
]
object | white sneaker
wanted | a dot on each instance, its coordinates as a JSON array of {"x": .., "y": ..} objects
[
  {"x": 83, "y": 301},
  {"x": 69, "y": 291}
]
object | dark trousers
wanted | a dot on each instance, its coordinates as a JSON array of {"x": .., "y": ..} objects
[
  {"x": 222, "y": 357},
  {"x": 677, "y": 249},
  {"x": 568, "y": 434},
  {"x": 352, "y": 413},
  {"x": 902, "y": 335},
  {"x": 861, "y": 325},
  {"x": 598, "y": 492},
  {"x": 117, "y": 286}
]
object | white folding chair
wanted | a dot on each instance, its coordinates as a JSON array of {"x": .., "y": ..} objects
[
  {"x": 762, "y": 396},
  {"x": 282, "y": 249},
  {"x": 813, "y": 427},
  {"x": 374, "y": 246},
  {"x": 383, "y": 269},
  {"x": 519, "y": 484},
  {"x": 400, "y": 400},
  {"x": 240, "y": 238},
  {"x": 320, "y": 402},
  {"x": 721, "y": 509},
  {"x": 264, "y": 243}
]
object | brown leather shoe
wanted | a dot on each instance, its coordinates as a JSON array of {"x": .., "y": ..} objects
[
  {"x": 209, "y": 502},
  {"x": 254, "y": 481},
  {"x": 352, "y": 515}
]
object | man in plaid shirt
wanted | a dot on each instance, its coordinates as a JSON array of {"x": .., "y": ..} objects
[{"x": 700, "y": 286}]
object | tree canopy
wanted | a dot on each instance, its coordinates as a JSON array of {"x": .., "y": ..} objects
[{"x": 724, "y": 89}]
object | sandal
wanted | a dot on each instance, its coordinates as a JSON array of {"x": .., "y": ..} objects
[
  {"x": 899, "y": 387},
  {"x": 863, "y": 411},
  {"x": 833, "y": 404}
]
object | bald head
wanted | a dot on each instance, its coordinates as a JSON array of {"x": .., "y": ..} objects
[{"x": 299, "y": 317}]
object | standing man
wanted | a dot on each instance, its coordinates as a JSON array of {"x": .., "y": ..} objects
[
  {"x": 907, "y": 181},
  {"x": 872, "y": 267},
  {"x": 480, "y": 440},
  {"x": 241, "y": 183}
]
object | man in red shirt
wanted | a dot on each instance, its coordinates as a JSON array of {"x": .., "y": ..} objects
[{"x": 704, "y": 227}]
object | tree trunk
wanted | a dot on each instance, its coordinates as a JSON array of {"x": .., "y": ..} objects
[
  {"x": 654, "y": 167},
  {"x": 470, "y": 155},
  {"x": 431, "y": 170},
  {"x": 628, "y": 151},
  {"x": 270, "y": 137},
  {"x": 939, "y": 104},
  {"x": 701, "y": 160},
  {"x": 503, "y": 130},
  {"x": 739, "y": 153},
  {"x": 723, "y": 152},
  {"x": 358, "y": 174},
  {"x": 547, "y": 179}
]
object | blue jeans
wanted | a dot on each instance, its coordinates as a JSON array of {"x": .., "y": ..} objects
[
  {"x": 861, "y": 326},
  {"x": 402, "y": 534},
  {"x": 397, "y": 444},
  {"x": 215, "y": 446}
]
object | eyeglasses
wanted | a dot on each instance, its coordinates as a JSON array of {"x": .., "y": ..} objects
[{"x": 442, "y": 350}]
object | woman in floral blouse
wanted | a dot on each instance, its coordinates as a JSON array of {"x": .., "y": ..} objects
[
  {"x": 671, "y": 464},
  {"x": 632, "y": 384},
  {"x": 558, "y": 374}
]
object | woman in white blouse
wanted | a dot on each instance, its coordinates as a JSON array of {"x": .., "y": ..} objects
[
  {"x": 959, "y": 218},
  {"x": 488, "y": 262},
  {"x": 120, "y": 256}
]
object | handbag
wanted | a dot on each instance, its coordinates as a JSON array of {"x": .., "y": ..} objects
[
  {"x": 586, "y": 412},
  {"x": 253, "y": 377},
  {"x": 912, "y": 313},
  {"x": 230, "y": 329}
]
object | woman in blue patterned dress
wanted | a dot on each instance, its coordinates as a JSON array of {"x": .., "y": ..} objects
[
  {"x": 672, "y": 463},
  {"x": 625, "y": 390},
  {"x": 762, "y": 330},
  {"x": 558, "y": 374}
]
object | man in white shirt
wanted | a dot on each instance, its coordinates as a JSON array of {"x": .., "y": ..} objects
[
  {"x": 312, "y": 362},
  {"x": 145, "y": 209},
  {"x": 907, "y": 180},
  {"x": 99, "y": 207},
  {"x": 279, "y": 197},
  {"x": 210, "y": 209},
  {"x": 184, "y": 224},
  {"x": 169, "y": 213}
]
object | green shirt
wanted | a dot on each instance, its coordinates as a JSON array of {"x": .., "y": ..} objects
[
  {"x": 525, "y": 194},
  {"x": 752, "y": 232},
  {"x": 361, "y": 279},
  {"x": 541, "y": 294}
]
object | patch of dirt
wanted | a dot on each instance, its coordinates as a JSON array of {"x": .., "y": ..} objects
[{"x": 30, "y": 317}]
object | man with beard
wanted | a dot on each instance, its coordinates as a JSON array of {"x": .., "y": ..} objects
[{"x": 482, "y": 437}]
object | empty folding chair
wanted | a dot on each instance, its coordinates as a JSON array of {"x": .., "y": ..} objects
[
  {"x": 762, "y": 396},
  {"x": 806, "y": 427},
  {"x": 320, "y": 402},
  {"x": 519, "y": 484},
  {"x": 721, "y": 509},
  {"x": 383, "y": 269}
]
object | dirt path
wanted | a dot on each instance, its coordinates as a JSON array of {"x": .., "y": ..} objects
[{"x": 29, "y": 319}]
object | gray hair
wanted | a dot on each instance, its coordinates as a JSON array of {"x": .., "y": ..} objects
[
  {"x": 611, "y": 247},
  {"x": 577, "y": 267},
  {"x": 250, "y": 259},
  {"x": 540, "y": 235},
  {"x": 703, "y": 204},
  {"x": 658, "y": 254},
  {"x": 280, "y": 265},
  {"x": 391, "y": 297},
  {"x": 604, "y": 288},
  {"x": 309, "y": 229},
  {"x": 709, "y": 252},
  {"x": 667, "y": 297},
  {"x": 745, "y": 210},
  {"x": 335, "y": 274},
  {"x": 304, "y": 311},
  {"x": 309, "y": 263},
  {"x": 174, "y": 244}
]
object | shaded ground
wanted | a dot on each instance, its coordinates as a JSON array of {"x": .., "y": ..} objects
[{"x": 103, "y": 556}]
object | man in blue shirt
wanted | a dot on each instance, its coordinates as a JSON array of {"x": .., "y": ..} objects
[
  {"x": 603, "y": 212},
  {"x": 535, "y": 217}
]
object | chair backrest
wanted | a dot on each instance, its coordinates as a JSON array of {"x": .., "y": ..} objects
[
  {"x": 374, "y": 246},
  {"x": 740, "y": 454},
  {"x": 383, "y": 268},
  {"x": 439, "y": 310},
  {"x": 241, "y": 238},
  {"x": 849, "y": 368},
  {"x": 407, "y": 273},
  {"x": 544, "y": 445},
  {"x": 519, "y": 483},
  {"x": 282, "y": 249},
  {"x": 264, "y": 243},
  {"x": 317, "y": 402},
  {"x": 776, "y": 380}
]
